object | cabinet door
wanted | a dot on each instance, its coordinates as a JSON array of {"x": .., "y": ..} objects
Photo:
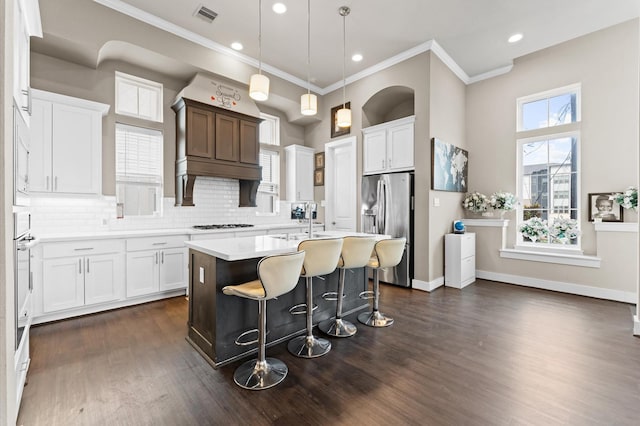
[
  {"x": 21, "y": 64},
  {"x": 142, "y": 272},
  {"x": 40, "y": 153},
  {"x": 200, "y": 132},
  {"x": 63, "y": 283},
  {"x": 173, "y": 269},
  {"x": 227, "y": 138},
  {"x": 104, "y": 278},
  {"x": 304, "y": 175},
  {"x": 77, "y": 150},
  {"x": 374, "y": 152},
  {"x": 400, "y": 147},
  {"x": 249, "y": 146}
]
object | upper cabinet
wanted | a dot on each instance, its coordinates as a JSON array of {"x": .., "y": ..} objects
[
  {"x": 215, "y": 142},
  {"x": 66, "y": 144},
  {"x": 26, "y": 24},
  {"x": 299, "y": 173},
  {"x": 388, "y": 147}
]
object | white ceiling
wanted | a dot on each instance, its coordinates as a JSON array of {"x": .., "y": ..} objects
[{"x": 472, "y": 32}]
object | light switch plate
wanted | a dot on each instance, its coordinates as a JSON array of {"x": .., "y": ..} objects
[
  {"x": 436, "y": 202},
  {"x": 201, "y": 275}
]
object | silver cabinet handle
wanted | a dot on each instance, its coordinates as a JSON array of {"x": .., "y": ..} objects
[
  {"x": 27, "y": 93},
  {"x": 55, "y": 183},
  {"x": 383, "y": 163},
  {"x": 47, "y": 183},
  {"x": 162, "y": 258},
  {"x": 389, "y": 162},
  {"x": 87, "y": 261},
  {"x": 83, "y": 249},
  {"x": 156, "y": 258},
  {"x": 159, "y": 244},
  {"x": 79, "y": 266}
]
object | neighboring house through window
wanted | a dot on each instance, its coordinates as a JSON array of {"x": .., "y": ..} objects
[
  {"x": 268, "y": 192},
  {"x": 548, "y": 164}
]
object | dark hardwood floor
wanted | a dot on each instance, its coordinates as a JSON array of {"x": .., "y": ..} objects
[{"x": 491, "y": 354}]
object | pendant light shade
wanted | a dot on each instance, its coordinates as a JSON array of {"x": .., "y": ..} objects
[
  {"x": 259, "y": 84},
  {"x": 259, "y": 87},
  {"x": 308, "y": 101},
  {"x": 343, "y": 117},
  {"x": 308, "y": 104}
]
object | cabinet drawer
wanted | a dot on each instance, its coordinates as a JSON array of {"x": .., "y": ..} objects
[
  {"x": 467, "y": 245},
  {"x": 81, "y": 248},
  {"x": 467, "y": 268},
  {"x": 156, "y": 243}
]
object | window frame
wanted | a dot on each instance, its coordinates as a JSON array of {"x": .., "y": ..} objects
[
  {"x": 575, "y": 88},
  {"x": 276, "y": 148},
  {"x": 139, "y": 82}
]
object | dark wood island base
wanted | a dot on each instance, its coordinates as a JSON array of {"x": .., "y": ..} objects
[{"x": 216, "y": 320}]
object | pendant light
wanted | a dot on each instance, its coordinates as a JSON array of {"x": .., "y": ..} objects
[
  {"x": 259, "y": 84},
  {"x": 343, "y": 117},
  {"x": 308, "y": 101}
]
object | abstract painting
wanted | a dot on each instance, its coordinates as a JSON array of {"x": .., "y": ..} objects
[{"x": 449, "y": 166}]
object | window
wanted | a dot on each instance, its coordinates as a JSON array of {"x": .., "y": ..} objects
[
  {"x": 139, "y": 170},
  {"x": 269, "y": 189},
  {"x": 138, "y": 97},
  {"x": 548, "y": 168}
]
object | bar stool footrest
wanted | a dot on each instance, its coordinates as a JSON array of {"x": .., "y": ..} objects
[
  {"x": 301, "y": 309},
  {"x": 367, "y": 294},
  {"x": 332, "y": 295}
]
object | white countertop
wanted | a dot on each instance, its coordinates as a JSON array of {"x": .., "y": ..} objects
[
  {"x": 96, "y": 235},
  {"x": 241, "y": 248}
]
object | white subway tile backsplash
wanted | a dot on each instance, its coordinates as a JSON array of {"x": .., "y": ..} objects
[{"x": 216, "y": 201}]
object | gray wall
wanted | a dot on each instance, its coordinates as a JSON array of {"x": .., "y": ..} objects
[{"x": 606, "y": 63}]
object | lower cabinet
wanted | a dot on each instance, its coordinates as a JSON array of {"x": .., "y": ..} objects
[
  {"x": 82, "y": 273},
  {"x": 156, "y": 264}
]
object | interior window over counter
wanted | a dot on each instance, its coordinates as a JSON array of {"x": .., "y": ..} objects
[
  {"x": 549, "y": 169},
  {"x": 139, "y": 170},
  {"x": 138, "y": 97},
  {"x": 268, "y": 195}
]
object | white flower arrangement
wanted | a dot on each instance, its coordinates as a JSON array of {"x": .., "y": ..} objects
[
  {"x": 563, "y": 230},
  {"x": 627, "y": 199},
  {"x": 535, "y": 229},
  {"x": 503, "y": 201},
  {"x": 475, "y": 202}
]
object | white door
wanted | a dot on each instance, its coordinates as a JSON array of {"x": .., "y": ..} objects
[
  {"x": 142, "y": 272},
  {"x": 63, "y": 285},
  {"x": 103, "y": 278},
  {"x": 173, "y": 272},
  {"x": 341, "y": 194}
]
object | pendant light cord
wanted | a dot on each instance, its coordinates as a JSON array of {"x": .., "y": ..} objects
[
  {"x": 344, "y": 59},
  {"x": 308, "y": 46},
  {"x": 259, "y": 36}
]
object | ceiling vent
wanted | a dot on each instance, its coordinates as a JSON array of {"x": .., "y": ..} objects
[{"x": 205, "y": 13}]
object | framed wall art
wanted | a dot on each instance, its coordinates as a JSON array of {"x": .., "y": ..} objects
[
  {"x": 319, "y": 160},
  {"x": 449, "y": 165},
  {"x": 318, "y": 177},
  {"x": 603, "y": 209},
  {"x": 335, "y": 130}
]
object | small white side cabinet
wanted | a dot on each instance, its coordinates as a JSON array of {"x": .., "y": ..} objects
[
  {"x": 459, "y": 260},
  {"x": 156, "y": 264},
  {"x": 81, "y": 273},
  {"x": 66, "y": 144},
  {"x": 26, "y": 24},
  {"x": 388, "y": 147},
  {"x": 299, "y": 173}
]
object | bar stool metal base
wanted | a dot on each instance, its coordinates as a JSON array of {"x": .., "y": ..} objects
[
  {"x": 375, "y": 319},
  {"x": 256, "y": 375},
  {"x": 308, "y": 346},
  {"x": 338, "y": 328}
]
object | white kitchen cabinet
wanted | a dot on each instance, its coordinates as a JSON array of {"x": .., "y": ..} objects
[
  {"x": 156, "y": 264},
  {"x": 81, "y": 273},
  {"x": 299, "y": 173},
  {"x": 66, "y": 144},
  {"x": 459, "y": 260},
  {"x": 388, "y": 147},
  {"x": 26, "y": 24}
]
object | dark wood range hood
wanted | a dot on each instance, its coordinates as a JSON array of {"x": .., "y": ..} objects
[{"x": 215, "y": 141}]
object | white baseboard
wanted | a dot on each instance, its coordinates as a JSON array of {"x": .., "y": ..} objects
[
  {"x": 578, "y": 289},
  {"x": 427, "y": 285},
  {"x": 636, "y": 325}
]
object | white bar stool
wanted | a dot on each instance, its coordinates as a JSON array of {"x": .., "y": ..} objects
[
  {"x": 387, "y": 253},
  {"x": 321, "y": 259},
  {"x": 356, "y": 253},
  {"x": 277, "y": 275}
]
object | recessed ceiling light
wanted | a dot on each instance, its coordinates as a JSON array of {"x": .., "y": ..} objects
[
  {"x": 356, "y": 58},
  {"x": 279, "y": 8},
  {"x": 236, "y": 45},
  {"x": 515, "y": 38}
]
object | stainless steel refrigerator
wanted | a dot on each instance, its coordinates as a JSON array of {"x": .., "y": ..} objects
[{"x": 387, "y": 208}]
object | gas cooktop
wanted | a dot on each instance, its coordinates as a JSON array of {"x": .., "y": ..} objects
[{"x": 223, "y": 226}]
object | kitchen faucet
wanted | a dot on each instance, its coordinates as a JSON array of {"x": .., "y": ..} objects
[{"x": 309, "y": 206}]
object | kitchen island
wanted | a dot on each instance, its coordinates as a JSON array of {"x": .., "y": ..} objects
[{"x": 216, "y": 321}]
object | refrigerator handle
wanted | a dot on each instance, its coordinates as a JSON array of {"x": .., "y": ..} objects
[
  {"x": 376, "y": 219},
  {"x": 382, "y": 210}
]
